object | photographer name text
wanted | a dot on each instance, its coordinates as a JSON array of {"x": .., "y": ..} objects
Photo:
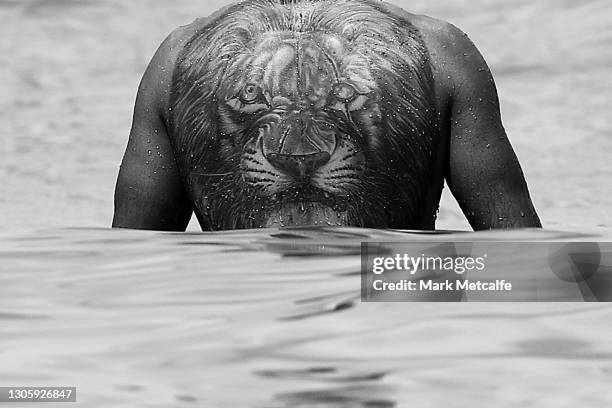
[
  {"x": 448, "y": 285},
  {"x": 428, "y": 265}
]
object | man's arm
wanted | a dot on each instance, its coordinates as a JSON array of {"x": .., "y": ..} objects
[
  {"x": 483, "y": 172},
  {"x": 149, "y": 192}
]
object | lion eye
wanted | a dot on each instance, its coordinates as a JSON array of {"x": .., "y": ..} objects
[
  {"x": 250, "y": 93},
  {"x": 344, "y": 92}
]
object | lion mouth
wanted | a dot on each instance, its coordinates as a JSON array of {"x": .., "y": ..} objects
[
  {"x": 306, "y": 205},
  {"x": 305, "y": 214},
  {"x": 308, "y": 194}
]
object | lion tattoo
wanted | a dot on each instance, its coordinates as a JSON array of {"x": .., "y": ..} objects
[{"x": 305, "y": 112}]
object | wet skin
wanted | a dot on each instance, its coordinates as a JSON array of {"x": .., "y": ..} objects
[{"x": 317, "y": 113}]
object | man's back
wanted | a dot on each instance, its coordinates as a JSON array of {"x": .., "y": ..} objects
[{"x": 273, "y": 113}]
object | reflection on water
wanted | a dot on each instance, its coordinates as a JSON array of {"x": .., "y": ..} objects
[{"x": 272, "y": 318}]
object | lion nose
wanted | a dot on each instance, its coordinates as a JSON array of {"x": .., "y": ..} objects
[{"x": 298, "y": 165}]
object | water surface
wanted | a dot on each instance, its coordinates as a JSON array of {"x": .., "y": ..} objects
[{"x": 272, "y": 318}]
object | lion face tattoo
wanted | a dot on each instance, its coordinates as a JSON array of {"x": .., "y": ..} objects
[{"x": 305, "y": 113}]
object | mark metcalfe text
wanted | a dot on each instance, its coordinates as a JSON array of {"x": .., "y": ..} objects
[{"x": 412, "y": 264}]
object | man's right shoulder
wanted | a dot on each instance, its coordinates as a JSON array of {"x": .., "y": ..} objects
[{"x": 456, "y": 62}]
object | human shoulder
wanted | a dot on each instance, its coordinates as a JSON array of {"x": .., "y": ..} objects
[
  {"x": 433, "y": 30},
  {"x": 167, "y": 54},
  {"x": 454, "y": 59},
  {"x": 457, "y": 63},
  {"x": 180, "y": 36},
  {"x": 156, "y": 84}
]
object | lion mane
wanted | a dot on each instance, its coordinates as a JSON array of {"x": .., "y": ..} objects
[{"x": 401, "y": 131}]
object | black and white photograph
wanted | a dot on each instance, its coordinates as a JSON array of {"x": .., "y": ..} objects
[{"x": 305, "y": 203}]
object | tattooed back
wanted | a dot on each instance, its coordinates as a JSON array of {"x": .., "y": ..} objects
[
  {"x": 312, "y": 112},
  {"x": 318, "y": 112}
]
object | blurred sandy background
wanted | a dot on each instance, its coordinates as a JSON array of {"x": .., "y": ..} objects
[{"x": 69, "y": 70}]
